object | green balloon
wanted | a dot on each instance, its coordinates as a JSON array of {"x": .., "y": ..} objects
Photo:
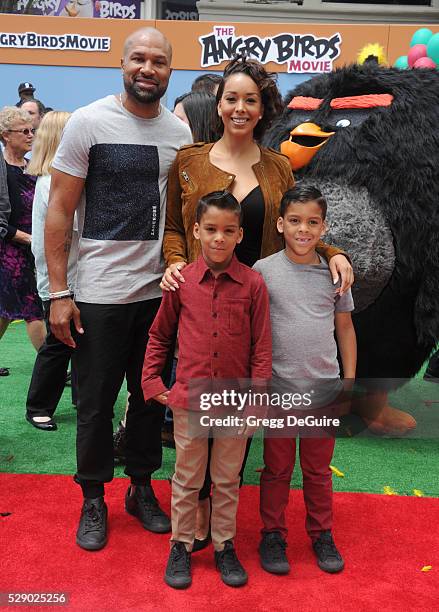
[
  {"x": 421, "y": 37},
  {"x": 402, "y": 63},
  {"x": 433, "y": 48}
]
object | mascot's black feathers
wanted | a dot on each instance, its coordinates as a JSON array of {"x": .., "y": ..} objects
[{"x": 393, "y": 152}]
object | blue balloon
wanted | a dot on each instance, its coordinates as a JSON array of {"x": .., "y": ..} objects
[
  {"x": 433, "y": 48},
  {"x": 421, "y": 37},
  {"x": 402, "y": 62}
]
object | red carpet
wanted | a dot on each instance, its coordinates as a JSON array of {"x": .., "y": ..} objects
[{"x": 385, "y": 542}]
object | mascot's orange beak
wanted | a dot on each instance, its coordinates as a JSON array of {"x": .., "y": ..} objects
[{"x": 304, "y": 142}]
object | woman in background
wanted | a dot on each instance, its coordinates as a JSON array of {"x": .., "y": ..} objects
[
  {"x": 18, "y": 292},
  {"x": 50, "y": 369},
  {"x": 198, "y": 110}
]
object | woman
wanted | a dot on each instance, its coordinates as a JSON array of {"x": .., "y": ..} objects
[
  {"x": 198, "y": 110},
  {"x": 49, "y": 373},
  {"x": 247, "y": 102},
  {"x": 18, "y": 292}
]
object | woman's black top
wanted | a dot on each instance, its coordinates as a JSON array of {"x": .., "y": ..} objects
[{"x": 253, "y": 208}]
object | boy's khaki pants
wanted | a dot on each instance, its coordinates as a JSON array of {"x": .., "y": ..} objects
[{"x": 190, "y": 469}]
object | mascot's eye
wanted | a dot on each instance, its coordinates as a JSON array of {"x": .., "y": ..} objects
[{"x": 343, "y": 123}]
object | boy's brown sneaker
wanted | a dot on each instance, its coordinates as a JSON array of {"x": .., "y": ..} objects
[
  {"x": 328, "y": 557},
  {"x": 232, "y": 572},
  {"x": 178, "y": 569}
]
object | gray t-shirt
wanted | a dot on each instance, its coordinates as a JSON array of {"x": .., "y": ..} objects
[
  {"x": 302, "y": 306},
  {"x": 125, "y": 160}
]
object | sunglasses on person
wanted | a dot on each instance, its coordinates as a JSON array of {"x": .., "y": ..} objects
[{"x": 25, "y": 131}]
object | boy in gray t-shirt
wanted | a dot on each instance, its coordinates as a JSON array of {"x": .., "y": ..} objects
[{"x": 305, "y": 310}]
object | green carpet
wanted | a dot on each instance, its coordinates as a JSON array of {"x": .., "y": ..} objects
[{"x": 368, "y": 464}]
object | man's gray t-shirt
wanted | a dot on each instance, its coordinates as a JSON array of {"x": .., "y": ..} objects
[
  {"x": 125, "y": 160},
  {"x": 302, "y": 306}
]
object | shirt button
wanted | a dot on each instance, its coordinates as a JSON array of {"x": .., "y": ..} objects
[
  {"x": 215, "y": 295},
  {"x": 215, "y": 373},
  {"x": 215, "y": 354},
  {"x": 214, "y": 315},
  {"x": 215, "y": 334}
]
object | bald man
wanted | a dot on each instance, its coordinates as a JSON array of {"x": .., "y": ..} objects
[{"x": 112, "y": 165}]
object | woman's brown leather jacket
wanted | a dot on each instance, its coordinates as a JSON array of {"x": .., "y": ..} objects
[{"x": 192, "y": 176}]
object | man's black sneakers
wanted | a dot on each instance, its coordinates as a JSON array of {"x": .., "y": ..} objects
[
  {"x": 178, "y": 569},
  {"x": 272, "y": 553},
  {"x": 328, "y": 557},
  {"x": 92, "y": 530},
  {"x": 232, "y": 572},
  {"x": 141, "y": 502}
]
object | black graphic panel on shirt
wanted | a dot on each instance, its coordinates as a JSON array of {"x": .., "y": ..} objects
[{"x": 122, "y": 193}]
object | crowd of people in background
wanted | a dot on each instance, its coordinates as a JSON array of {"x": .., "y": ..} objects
[{"x": 51, "y": 153}]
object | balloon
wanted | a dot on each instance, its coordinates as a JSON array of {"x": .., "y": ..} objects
[
  {"x": 415, "y": 53},
  {"x": 421, "y": 37},
  {"x": 424, "y": 62},
  {"x": 402, "y": 62},
  {"x": 433, "y": 48}
]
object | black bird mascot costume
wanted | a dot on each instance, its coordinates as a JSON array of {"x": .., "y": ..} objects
[{"x": 368, "y": 138}]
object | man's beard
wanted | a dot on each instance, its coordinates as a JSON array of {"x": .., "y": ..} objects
[{"x": 144, "y": 96}]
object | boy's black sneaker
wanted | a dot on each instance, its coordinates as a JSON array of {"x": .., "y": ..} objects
[
  {"x": 92, "y": 530},
  {"x": 272, "y": 553},
  {"x": 178, "y": 569},
  {"x": 328, "y": 557},
  {"x": 232, "y": 572},
  {"x": 141, "y": 502}
]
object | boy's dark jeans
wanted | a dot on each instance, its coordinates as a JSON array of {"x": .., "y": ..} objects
[{"x": 49, "y": 374}]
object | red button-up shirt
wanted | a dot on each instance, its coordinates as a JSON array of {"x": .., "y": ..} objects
[{"x": 223, "y": 326}]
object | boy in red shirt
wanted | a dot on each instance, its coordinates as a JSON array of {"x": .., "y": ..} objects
[{"x": 222, "y": 315}]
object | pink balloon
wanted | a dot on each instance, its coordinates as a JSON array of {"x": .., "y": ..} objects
[
  {"x": 415, "y": 53},
  {"x": 424, "y": 62}
]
